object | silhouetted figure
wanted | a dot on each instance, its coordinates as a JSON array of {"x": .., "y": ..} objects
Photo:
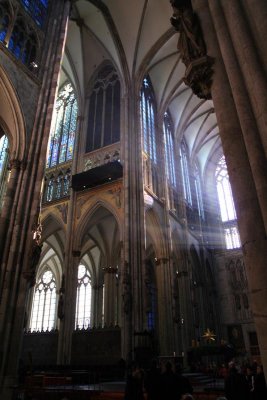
[
  {"x": 134, "y": 384},
  {"x": 153, "y": 382},
  {"x": 249, "y": 375},
  {"x": 259, "y": 391},
  {"x": 236, "y": 387},
  {"x": 183, "y": 384},
  {"x": 169, "y": 383}
]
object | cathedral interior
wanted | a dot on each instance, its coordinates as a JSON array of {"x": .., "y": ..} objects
[{"x": 133, "y": 182}]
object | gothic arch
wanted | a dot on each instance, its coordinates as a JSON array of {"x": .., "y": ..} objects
[
  {"x": 81, "y": 228},
  {"x": 11, "y": 118}
]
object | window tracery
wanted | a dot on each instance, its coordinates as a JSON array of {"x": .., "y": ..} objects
[
  {"x": 104, "y": 110},
  {"x": 148, "y": 127},
  {"x": 43, "y": 314},
  {"x": 83, "y": 299},
  {"x": 63, "y": 129},
  {"x": 37, "y": 9},
  {"x": 22, "y": 43},
  {"x": 148, "y": 123}
]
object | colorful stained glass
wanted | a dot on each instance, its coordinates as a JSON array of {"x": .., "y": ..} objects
[
  {"x": 63, "y": 129},
  {"x": 148, "y": 119}
]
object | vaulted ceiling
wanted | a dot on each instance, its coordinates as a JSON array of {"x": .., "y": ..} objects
[{"x": 138, "y": 37}]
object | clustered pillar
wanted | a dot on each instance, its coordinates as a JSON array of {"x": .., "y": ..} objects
[{"x": 239, "y": 94}]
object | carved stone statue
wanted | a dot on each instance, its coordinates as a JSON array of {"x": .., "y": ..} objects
[
  {"x": 192, "y": 48},
  {"x": 30, "y": 273},
  {"x": 190, "y": 43}
]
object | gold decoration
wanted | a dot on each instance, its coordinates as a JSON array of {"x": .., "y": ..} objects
[{"x": 209, "y": 336}]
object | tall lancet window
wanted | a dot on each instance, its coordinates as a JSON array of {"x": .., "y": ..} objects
[
  {"x": 169, "y": 148},
  {"x": 227, "y": 207},
  {"x": 185, "y": 173},
  {"x": 83, "y": 299},
  {"x": 3, "y": 166},
  {"x": 104, "y": 110},
  {"x": 148, "y": 115},
  {"x": 43, "y": 314},
  {"x": 63, "y": 129}
]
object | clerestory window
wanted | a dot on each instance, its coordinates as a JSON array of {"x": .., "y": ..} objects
[
  {"x": 63, "y": 129},
  {"x": 22, "y": 44},
  {"x": 169, "y": 148},
  {"x": 43, "y": 314},
  {"x": 37, "y": 10},
  {"x": 227, "y": 207},
  {"x": 104, "y": 110},
  {"x": 148, "y": 115},
  {"x": 185, "y": 173}
]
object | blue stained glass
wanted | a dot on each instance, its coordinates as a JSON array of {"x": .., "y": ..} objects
[
  {"x": 37, "y": 10},
  {"x": 148, "y": 119},
  {"x": 3, "y": 27}
]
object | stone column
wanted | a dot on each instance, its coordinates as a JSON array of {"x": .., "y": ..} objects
[
  {"x": 165, "y": 317},
  {"x": 247, "y": 118},
  {"x": 250, "y": 66},
  {"x": 250, "y": 222},
  {"x": 110, "y": 296},
  {"x": 134, "y": 242},
  {"x": 18, "y": 247},
  {"x": 67, "y": 324},
  {"x": 9, "y": 211}
]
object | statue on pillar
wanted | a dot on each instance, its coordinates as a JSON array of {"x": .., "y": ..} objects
[
  {"x": 192, "y": 48},
  {"x": 34, "y": 256}
]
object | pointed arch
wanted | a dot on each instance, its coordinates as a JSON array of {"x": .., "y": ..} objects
[
  {"x": 81, "y": 228},
  {"x": 11, "y": 118}
]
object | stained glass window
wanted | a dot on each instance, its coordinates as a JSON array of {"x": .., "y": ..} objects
[
  {"x": 23, "y": 46},
  {"x": 3, "y": 167},
  {"x": 169, "y": 148},
  {"x": 147, "y": 111},
  {"x": 3, "y": 154},
  {"x": 43, "y": 315},
  {"x": 227, "y": 207},
  {"x": 83, "y": 299},
  {"x": 4, "y": 20},
  {"x": 185, "y": 173},
  {"x": 37, "y": 10},
  {"x": 62, "y": 134},
  {"x": 104, "y": 110},
  {"x": 17, "y": 40}
]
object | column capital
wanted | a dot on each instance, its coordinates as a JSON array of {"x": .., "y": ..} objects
[{"x": 76, "y": 253}]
